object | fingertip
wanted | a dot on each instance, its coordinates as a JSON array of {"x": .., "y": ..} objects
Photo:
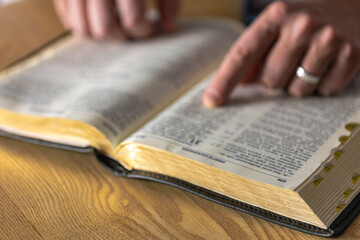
[
  {"x": 327, "y": 90},
  {"x": 145, "y": 30},
  {"x": 80, "y": 32},
  {"x": 297, "y": 93},
  {"x": 208, "y": 102},
  {"x": 133, "y": 19},
  {"x": 139, "y": 29},
  {"x": 211, "y": 98},
  {"x": 300, "y": 88},
  {"x": 113, "y": 34},
  {"x": 169, "y": 27},
  {"x": 117, "y": 34},
  {"x": 77, "y": 19}
]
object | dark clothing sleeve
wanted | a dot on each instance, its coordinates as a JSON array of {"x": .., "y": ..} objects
[{"x": 253, "y": 8}]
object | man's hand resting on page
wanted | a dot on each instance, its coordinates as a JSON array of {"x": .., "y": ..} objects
[
  {"x": 114, "y": 18},
  {"x": 321, "y": 36}
]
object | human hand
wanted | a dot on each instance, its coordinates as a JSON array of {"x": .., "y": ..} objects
[
  {"x": 114, "y": 18},
  {"x": 321, "y": 36}
]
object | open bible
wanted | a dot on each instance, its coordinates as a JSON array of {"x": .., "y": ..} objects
[{"x": 137, "y": 106}]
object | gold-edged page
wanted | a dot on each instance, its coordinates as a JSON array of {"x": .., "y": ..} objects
[
  {"x": 332, "y": 186},
  {"x": 115, "y": 86},
  {"x": 263, "y": 135}
]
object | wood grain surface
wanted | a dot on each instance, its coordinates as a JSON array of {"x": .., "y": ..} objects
[
  {"x": 56, "y": 194},
  {"x": 48, "y": 193}
]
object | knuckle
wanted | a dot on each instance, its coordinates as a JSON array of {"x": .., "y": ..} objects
[
  {"x": 302, "y": 28},
  {"x": 266, "y": 28},
  {"x": 305, "y": 22},
  {"x": 350, "y": 53},
  {"x": 297, "y": 92},
  {"x": 240, "y": 53},
  {"x": 278, "y": 10},
  {"x": 329, "y": 36}
]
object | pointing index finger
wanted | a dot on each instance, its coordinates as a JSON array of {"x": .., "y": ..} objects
[{"x": 245, "y": 54}]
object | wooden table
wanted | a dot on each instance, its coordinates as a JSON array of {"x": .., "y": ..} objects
[{"x": 56, "y": 194}]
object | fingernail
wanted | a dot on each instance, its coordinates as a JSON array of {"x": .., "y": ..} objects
[{"x": 211, "y": 98}]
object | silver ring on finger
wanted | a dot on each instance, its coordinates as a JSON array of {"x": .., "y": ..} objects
[{"x": 306, "y": 76}]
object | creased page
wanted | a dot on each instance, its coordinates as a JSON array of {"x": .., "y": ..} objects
[
  {"x": 263, "y": 135},
  {"x": 117, "y": 86}
]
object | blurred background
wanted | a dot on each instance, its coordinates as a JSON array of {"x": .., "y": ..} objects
[
  {"x": 245, "y": 10},
  {"x": 26, "y": 25},
  {"x": 3, "y": 2}
]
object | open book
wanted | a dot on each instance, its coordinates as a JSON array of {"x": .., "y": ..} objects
[{"x": 137, "y": 106}]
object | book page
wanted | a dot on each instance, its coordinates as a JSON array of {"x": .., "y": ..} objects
[
  {"x": 262, "y": 134},
  {"x": 117, "y": 86}
]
